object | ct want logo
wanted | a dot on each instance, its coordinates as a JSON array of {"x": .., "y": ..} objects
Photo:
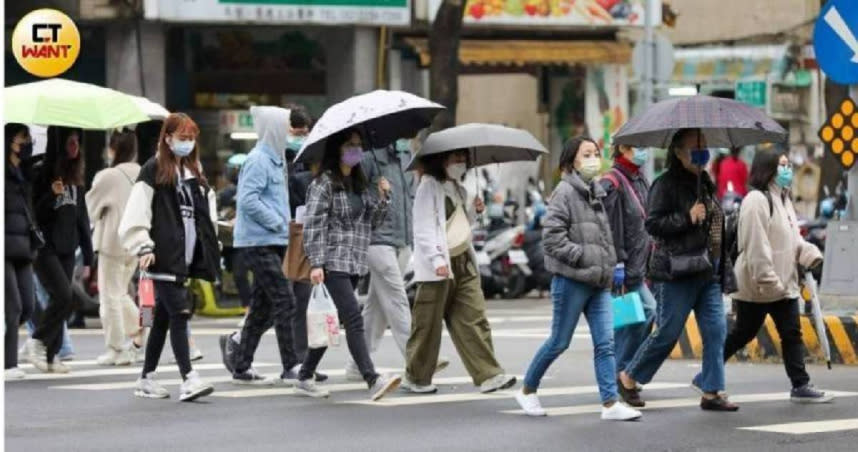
[{"x": 46, "y": 42}]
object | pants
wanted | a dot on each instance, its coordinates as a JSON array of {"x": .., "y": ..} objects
[
  {"x": 119, "y": 315},
  {"x": 55, "y": 273},
  {"x": 749, "y": 319},
  {"x": 235, "y": 263},
  {"x": 387, "y": 302},
  {"x": 42, "y": 302},
  {"x": 18, "y": 305},
  {"x": 627, "y": 340},
  {"x": 676, "y": 299},
  {"x": 172, "y": 312},
  {"x": 341, "y": 286},
  {"x": 458, "y": 302},
  {"x": 571, "y": 299},
  {"x": 272, "y": 303},
  {"x": 299, "y": 320}
]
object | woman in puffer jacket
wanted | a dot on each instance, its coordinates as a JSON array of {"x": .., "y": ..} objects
[
  {"x": 770, "y": 247},
  {"x": 580, "y": 253}
]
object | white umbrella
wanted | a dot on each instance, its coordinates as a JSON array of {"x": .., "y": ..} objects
[
  {"x": 151, "y": 109},
  {"x": 818, "y": 320},
  {"x": 382, "y": 116}
]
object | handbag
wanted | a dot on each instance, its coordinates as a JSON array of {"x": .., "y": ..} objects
[
  {"x": 682, "y": 265},
  {"x": 296, "y": 265},
  {"x": 628, "y": 310},
  {"x": 458, "y": 229}
]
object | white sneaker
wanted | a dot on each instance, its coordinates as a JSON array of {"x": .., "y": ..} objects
[
  {"x": 497, "y": 383},
  {"x": 384, "y": 385},
  {"x": 193, "y": 388},
  {"x": 620, "y": 412},
  {"x": 530, "y": 404},
  {"x": 14, "y": 374},
  {"x": 352, "y": 372},
  {"x": 24, "y": 353},
  {"x": 125, "y": 358},
  {"x": 37, "y": 355},
  {"x": 108, "y": 358},
  {"x": 308, "y": 388},
  {"x": 414, "y": 388},
  {"x": 196, "y": 354},
  {"x": 58, "y": 367},
  {"x": 442, "y": 364},
  {"x": 148, "y": 388}
]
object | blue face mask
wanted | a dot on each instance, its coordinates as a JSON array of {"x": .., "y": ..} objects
[
  {"x": 403, "y": 145},
  {"x": 700, "y": 157},
  {"x": 784, "y": 177},
  {"x": 640, "y": 158}
]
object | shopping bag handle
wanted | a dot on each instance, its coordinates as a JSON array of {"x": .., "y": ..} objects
[
  {"x": 158, "y": 276},
  {"x": 323, "y": 288}
]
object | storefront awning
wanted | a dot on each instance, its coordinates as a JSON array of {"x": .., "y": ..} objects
[
  {"x": 726, "y": 65},
  {"x": 526, "y": 52}
]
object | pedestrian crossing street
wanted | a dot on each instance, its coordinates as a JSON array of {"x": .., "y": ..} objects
[{"x": 86, "y": 376}]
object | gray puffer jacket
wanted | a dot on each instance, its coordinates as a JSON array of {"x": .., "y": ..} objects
[{"x": 577, "y": 235}]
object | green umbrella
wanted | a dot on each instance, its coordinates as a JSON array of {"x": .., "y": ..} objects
[{"x": 59, "y": 102}]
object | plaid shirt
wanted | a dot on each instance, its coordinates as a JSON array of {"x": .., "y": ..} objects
[{"x": 335, "y": 238}]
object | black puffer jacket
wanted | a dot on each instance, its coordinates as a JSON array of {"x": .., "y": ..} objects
[
  {"x": 626, "y": 211},
  {"x": 669, "y": 223},
  {"x": 17, "y": 199}
]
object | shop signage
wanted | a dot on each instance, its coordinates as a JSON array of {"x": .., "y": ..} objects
[
  {"x": 322, "y": 12},
  {"x": 588, "y": 13},
  {"x": 751, "y": 92}
]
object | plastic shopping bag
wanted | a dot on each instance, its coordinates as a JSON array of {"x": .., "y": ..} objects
[{"x": 323, "y": 324}]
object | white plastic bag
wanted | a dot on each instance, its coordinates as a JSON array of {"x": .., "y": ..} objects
[{"x": 323, "y": 324}]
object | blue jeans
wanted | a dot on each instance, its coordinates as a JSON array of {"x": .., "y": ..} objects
[
  {"x": 628, "y": 340},
  {"x": 42, "y": 298},
  {"x": 676, "y": 299},
  {"x": 571, "y": 299}
]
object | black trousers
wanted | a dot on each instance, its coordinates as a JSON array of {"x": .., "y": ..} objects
[
  {"x": 18, "y": 305},
  {"x": 272, "y": 303},
  {"x": 234, "y": 262},
  {"x": 299, "y": 320},
  {"x": 341, "y": 286},
  {"x": 55, "y": 273},
  {"x": 172, "y": 312},
  {"x": 750, "y": 318}
]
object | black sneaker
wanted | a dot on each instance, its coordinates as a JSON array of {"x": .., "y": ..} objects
[
  {"x": 719, "y": 403},
  {"x": 251, "y": 377},
  {"x": 226, "y": 351},
  {"x": 320, "y": 377},
  {"x": 809, "y": 394},
  {"x": 632, "y": 396}
]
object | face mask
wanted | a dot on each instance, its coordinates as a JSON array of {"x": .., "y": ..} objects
[
  {"x": 590, "y": 169},
  {"x": 403, "y": 145},
  {"x": 352, "y": 155},
  {"x": 455, "y": 171},
  {"x": 182, "y": 148},
  {"x": 25, "y": 150},
  {"x": 784, "y": 177},
  {"x": 700, "y": 157},
  {"x": 294, "y": 143},
  {"x": 640, "y": 158}
]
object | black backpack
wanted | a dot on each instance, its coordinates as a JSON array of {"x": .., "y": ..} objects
[{"x": 731, "y": 228}]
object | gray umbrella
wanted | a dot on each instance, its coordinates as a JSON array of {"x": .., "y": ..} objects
[
  {"x": 489, "y": 143},
  {"x": 724, "y": 122}
]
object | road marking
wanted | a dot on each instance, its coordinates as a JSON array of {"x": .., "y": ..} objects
[
  {"x": 805, "y": 428},
  {"x": 501, "y": 333},
  {"x": 73, "y": 363},
  {"x": 677, "y": 403},
  {"x": 476, "y": 396},
  {"x": 126, "y": 370},
  {"x": 341, "y": 387}
]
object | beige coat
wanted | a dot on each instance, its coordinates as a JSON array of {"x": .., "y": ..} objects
[
  {"x": 106, "y": 202},
  {"x": 770, "y": 247}
]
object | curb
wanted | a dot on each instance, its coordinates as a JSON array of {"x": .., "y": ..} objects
[{"x": 766, "y": 347}]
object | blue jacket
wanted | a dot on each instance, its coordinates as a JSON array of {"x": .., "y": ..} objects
[{"x": 262, "y": 217}]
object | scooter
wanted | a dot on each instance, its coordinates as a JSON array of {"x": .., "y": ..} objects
[{"x": 503, "y": 265}]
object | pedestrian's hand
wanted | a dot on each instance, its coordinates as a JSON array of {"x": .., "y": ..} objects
[
  {"x": 146, "y": 261},
  {"x": 479, "y": 205},
  {"x": 57, "y": 187},
  {"x": 317, "y": 276},
  {"x": 442, "y": 271},
  {"x": 698, "y": 213},
  {"x": 619, "y": 276},
  {"x": 85, "y": 273},
  {"x": 383, "y": 187}
]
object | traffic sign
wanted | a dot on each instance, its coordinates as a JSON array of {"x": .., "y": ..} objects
[
  {"x": 835, "y": 42},
  {"x": 751, "y": 92},
  {"x": 840, "y": 133}
]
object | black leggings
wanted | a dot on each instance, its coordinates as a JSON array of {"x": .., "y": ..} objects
[
  {"x": 341, "y": 286},
  {"x": 18, "y": 305},
  {"x": 172, "y": 312},
  {"x": 55, "y": 273}
]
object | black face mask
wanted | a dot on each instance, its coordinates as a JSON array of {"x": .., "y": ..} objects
[{"x": 25, "y": 150}]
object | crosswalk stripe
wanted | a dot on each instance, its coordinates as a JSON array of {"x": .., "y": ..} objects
[
  {"x": 677, "y": 403},
  {"x": 127, "y": 370},
  {"x": 476, "y": 396},
  {"x": 805, "y": 428},
  {"x": 74, "y": 363},
  {"x": 340, "y": 387},
  {"x": 499, "y": 333}
]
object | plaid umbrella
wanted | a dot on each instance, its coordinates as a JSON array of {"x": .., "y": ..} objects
[{"x": 724, "y": 122}]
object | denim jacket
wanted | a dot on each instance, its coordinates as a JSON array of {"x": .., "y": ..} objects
[{"x": 262, "y": 217}]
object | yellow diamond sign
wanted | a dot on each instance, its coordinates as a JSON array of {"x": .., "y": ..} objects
[{"x": 840, "y": 133}]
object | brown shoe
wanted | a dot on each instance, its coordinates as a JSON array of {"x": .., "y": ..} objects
[
  {"x": 719, "y": 403},
  {"x": 632, "y": 396}
]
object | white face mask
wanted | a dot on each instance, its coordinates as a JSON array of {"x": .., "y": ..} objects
[
  {"x": 182, "y": 148},
  {"x": 590, "y": 169},
  {"x": 455, "y": 171}
]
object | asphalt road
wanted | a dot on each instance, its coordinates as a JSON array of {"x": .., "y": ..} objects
[{"x": 94, "y": 409}]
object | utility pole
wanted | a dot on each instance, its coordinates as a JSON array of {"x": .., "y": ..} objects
[{"x": 648, "y": 71}]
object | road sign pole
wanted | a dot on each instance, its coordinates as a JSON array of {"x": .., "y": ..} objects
[{"x": 852, "y": 180}]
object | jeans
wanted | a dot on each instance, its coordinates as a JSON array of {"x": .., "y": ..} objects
[
  {"x": 18, "y": 305},
  {"x": 42, "y": 300},
  {"x": 676, "y": 299},
  {"x": 627, "y": 340},
  {"x": 341, "y": 286},
  {"x": 172, "y": 312},
  {"x": 571, "y": 299}
]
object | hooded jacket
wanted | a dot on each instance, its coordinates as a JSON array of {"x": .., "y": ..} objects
[
  {"x": 396, "y": 230},
  {"x": 262, "y": 208},
  {"x": 770, "y": 246},
  {"x": 106, "y": 201}
]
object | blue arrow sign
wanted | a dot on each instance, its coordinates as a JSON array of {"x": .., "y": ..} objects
[{"x": 835, "y": 42}]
